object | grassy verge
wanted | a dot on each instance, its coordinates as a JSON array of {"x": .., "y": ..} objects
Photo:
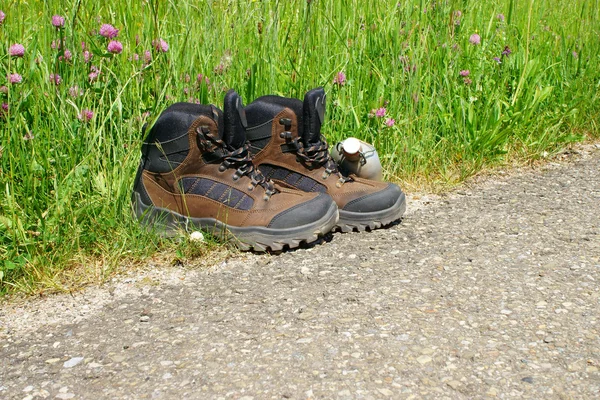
[{"x": 442, "y": 88}]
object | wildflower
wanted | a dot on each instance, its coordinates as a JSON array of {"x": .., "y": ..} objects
[
  {"x": 3, "y": 89},
  {"x": 28, "y": 136},
  {"x": 14, "y": 78},
  {"x": 16, "y": 50},
  {"x": 390, "y": 122},
  {"x": 467, "y": 81},
  {"x": 219, "y": 69},
  {"x": 56, "y": 79},
  {"x": 58, "y": 21},
  {"x": 67, "y": 56},
  {"x": 5, "y": 107},
  {"x": 115, "y": 47},
  {"x": 465, "y": 73},
  {"x": 87, "y": 56},
  {"x": 187, "y": 78},
  {"x": 575, "y": 55},
  {"x": 475, "y": 39},
  {"x": 500, "y": 17},
  {"x": 75, "y": 91},
  {"x": 85, "y": 115},
  {"x": 135, "y": 57},
  {"x": 498, "y": 60},
  {"x": 108, "y": 31},
  {"x": 93, "y": 75},
  {"x": 457, "y": 14},
  {"x": 380, "y": 112},
  {"x": 147, "y": 56},
  {"x": 82, "y": 46},
  {"x": 2, "y": 16},
  {"x": 507, "y": 51},
  {"x": 56, "y": 45},
  {"x": 160, "y": 45},
  {"x": 340, "y": 79}
]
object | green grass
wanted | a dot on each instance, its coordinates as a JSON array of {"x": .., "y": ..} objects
[{"x": 65, "y": 183}]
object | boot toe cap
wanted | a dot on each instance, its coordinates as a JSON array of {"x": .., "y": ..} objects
[
  {"x": 303, "y": 214},
  {"x": 377, "y": 201}
]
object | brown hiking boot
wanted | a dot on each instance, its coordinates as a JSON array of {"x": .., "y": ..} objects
[
  {"x": 196, "y": 173},
  {"x": 287, "y": 147}
]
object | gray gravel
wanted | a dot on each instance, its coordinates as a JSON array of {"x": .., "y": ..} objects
[{"x": 491, "y": 291}]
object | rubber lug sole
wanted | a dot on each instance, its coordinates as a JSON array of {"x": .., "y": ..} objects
[
  {"x": 257, "y": 238},
  {"x": 358, "y": 222}
]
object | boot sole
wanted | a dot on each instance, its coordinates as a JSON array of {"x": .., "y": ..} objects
[
  {"x": 257, "y": 238},
  {"x": 356, "y": 221}
]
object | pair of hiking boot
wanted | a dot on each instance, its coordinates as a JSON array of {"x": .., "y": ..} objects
[{"x": 261, "y": 174}]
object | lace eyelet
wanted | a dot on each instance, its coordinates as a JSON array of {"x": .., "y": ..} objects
[
  {"x": 222, "y": 168},
  {"x": 250, "y": 188},
  {"x": 287, "y": 135}
]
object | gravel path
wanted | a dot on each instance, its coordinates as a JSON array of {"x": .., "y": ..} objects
[{"x": 489, "y": 292}]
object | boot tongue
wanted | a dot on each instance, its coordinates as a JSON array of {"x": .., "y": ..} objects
[
  {"x": 234, "y": 118},
  {"x": 313, "y": 115}
]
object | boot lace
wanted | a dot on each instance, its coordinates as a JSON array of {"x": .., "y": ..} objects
[
  {"x": 238, "y": 159},
  {"x": 314, "y": 156}
]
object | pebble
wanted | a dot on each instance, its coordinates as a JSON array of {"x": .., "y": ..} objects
[
  {"x": 424, "y": 360},
  {"x": 65, "y": 396},
  {"x": 454, "y": 384},
  {"x": 144, "y": 318},
  {"x": 72, "y": 362},
  {"x": 386, "y": 392},
  {"x": 197, "y": 236}
]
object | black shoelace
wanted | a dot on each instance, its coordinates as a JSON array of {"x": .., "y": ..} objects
[
  {"x": 238, "y": 159},
  {"x": 314, "y": 156}
]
